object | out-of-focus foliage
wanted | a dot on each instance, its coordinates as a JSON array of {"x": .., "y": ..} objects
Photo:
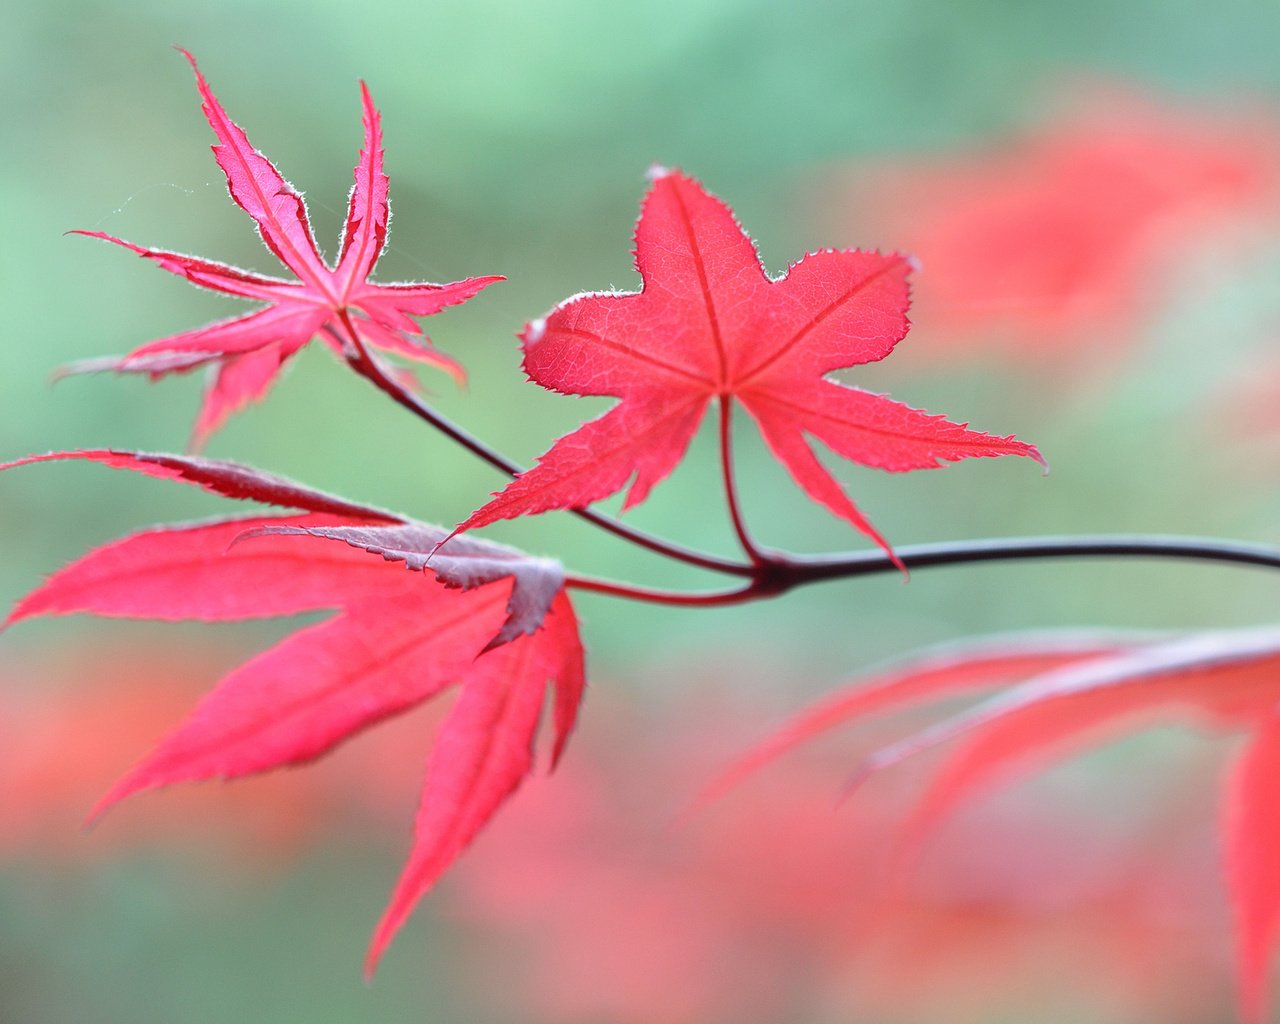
[
  {"x": 1056, "y": 243},
  {"x": 770, "y": 907}
]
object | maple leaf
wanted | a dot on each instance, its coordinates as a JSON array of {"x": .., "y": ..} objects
[
  {"x": 710, "y": 324},
  {"x": 338, "y": 304},
  {"x": 1230, "y": 679},
  {"x": 498, "y": 623}
]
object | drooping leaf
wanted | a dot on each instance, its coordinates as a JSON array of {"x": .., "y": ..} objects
[
  {"x": 1234, "y": 678},
  {"x": 339, "y": 304},
  {"x": 710, "y": 324},
  {"x": 398, "y": 639},
  {"x": 483, "y": 752}
]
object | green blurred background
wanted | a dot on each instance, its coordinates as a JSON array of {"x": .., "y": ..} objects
[{"x": 517, "y": 137}]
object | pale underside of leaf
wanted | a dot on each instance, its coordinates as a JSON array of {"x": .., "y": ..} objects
[
  {"x": 155, "y": 366},
  {"x": 1233, "y": 677},
  {"x": 1154, "y": 673},
  {"x": 460, "y": 562}
]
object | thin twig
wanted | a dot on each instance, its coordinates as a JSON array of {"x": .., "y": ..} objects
[
  {"x": 749, "y": 548},
  {"x": 364, "y": 364},
  {"x": 811, "y": 569},
  {"x": 782, "y": 572},
  {"x": 775, "y": 572},
  {"x": 705, "y": 599}
]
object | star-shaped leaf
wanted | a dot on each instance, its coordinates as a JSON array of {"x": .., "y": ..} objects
[
  {"x": 710, "y": 324},
  {"x": 338, "y": 304}
]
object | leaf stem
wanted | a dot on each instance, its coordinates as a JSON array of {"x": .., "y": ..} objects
[
  {"x": 706, "y": 598},
  {"x": 749, "y": 548},
  {"x": 363, "y": 362},
  {"x": 773, "y": 572}
]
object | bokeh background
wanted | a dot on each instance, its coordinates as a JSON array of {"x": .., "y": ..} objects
[{"x": 1092, "y": 191}]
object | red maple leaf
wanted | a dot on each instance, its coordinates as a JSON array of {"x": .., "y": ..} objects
[
  {"x": 1068, "y": 695},
  {"x": 497, "y": 622},
  {"x": 339, "y": 304},
  {"x": 710, "y": 324}
]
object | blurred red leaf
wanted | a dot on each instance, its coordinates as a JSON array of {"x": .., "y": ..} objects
[
  {"x": 1229, "y": 679},
  {"x": 1252, "y": 827},
  {"x": 1055, "y": 238},
  {"x": 960, "y": 670},
  {"x": 105, "y": 710},
  {"x": 771, "y": 907}
]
